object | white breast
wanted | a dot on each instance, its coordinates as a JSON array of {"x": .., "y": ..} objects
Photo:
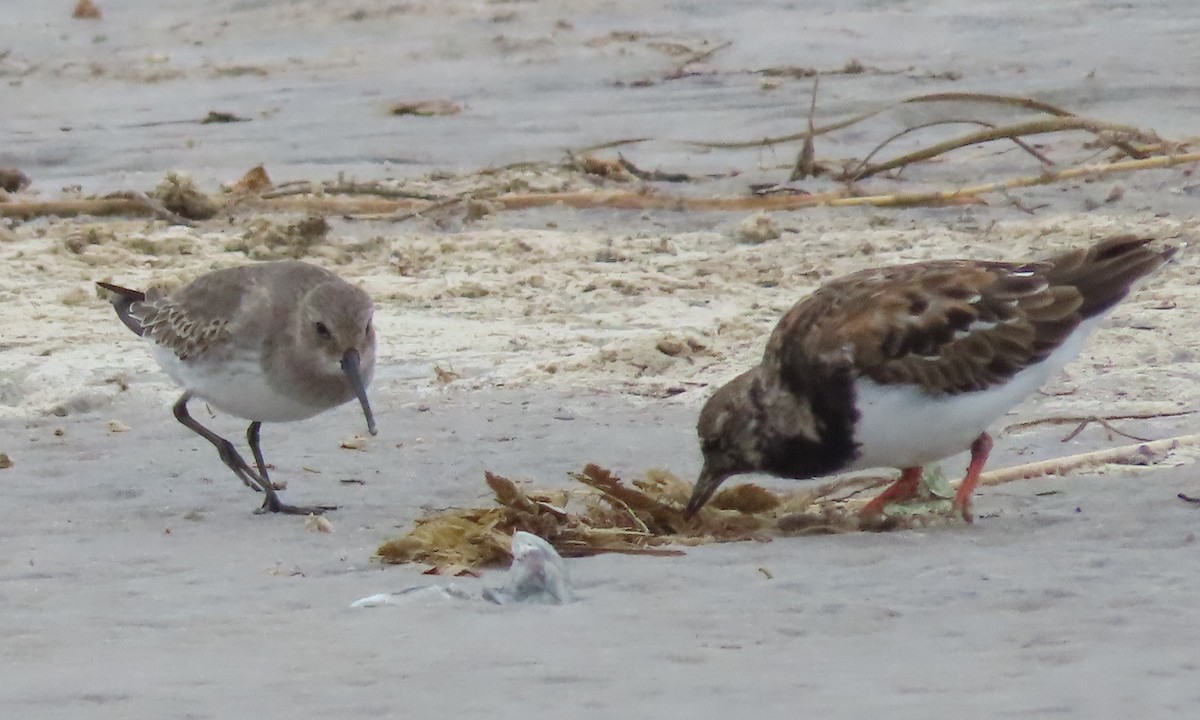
[
  {"x": 901, "y": 426},
  {"x": 236, "y": 386}
]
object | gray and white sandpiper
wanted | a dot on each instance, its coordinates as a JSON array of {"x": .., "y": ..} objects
[
  {"x": 269, "y": 342},
  {"x": 903, "y": 366}
]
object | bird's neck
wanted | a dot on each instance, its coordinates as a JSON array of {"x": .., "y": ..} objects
[{"x": 809, "y": 429}]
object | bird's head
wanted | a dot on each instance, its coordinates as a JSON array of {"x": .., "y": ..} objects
[
  {"x": 335, "y": 318},
  {"x": 728, "y": 437}
]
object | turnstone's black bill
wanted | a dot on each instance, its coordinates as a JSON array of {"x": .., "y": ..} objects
[
  {"x": 906, "y": 365},
  {"x": 270, "y": 342}
]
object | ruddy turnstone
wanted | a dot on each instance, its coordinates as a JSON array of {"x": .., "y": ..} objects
[
  {"x": 902, "y": 366},
  {"x": 270, "y": 342}
]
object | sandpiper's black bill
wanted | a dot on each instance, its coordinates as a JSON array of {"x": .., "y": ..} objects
[
  {"x": 350, "y": 363},
  {"x": 706, "y": 485}
]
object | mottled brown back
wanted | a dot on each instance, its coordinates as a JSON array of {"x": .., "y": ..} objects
[{"x": 955, "y": 325}]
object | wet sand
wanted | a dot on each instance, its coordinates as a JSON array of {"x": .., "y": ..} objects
[{"x": 139, "y": 585}]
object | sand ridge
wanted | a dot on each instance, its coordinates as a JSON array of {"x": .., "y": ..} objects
[{"x": 647, "y": 313}]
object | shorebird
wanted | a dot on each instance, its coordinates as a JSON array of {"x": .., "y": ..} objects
[
  {"x": 269, "y": 342},
  {"x": 902, "y": 366}
]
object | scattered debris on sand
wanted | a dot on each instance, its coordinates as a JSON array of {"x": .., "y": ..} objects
[{"x": 608, "y": 515}]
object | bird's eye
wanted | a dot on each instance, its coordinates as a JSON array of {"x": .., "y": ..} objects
[
  {"x": 322, "y": 329},
  {"x": 367, "y": 332}
]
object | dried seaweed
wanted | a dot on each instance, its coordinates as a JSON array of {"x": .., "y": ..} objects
[
  {"x": 610, "y": 516},
  {"x": 607, "y": 515},
  {"x": 425, "y": 108},
  {"x": 86, "y": 10},
  {"x": 179, "y": 195},
  {"x": 478, "y": 537}
]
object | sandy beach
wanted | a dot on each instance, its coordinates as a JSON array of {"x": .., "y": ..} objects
[{"x": 136, "y": 581}]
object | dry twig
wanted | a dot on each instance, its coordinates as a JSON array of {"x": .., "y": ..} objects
[
  {"x": 627, "y": 200},
  {"x": 1138, "y": 454},
  {"x": 681, "y": 69},
  {"x": 988, "y": 98},
  {"x": 1067, "y": 419},
  {"x": 861, "y": 168},
  {"x": 157, "y": 209},
  {"x": 806, "y": 162},
  {"x": 651, "y": 175},
  {"x": 1107, "y": 426},
  {"x": 1016, "y": 130}
]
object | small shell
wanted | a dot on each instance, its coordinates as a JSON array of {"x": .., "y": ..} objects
[
  {"x": 318, "y": 523},
  {"x": 358, "y": 442}
]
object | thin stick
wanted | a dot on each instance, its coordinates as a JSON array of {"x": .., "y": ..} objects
[
  {"x": 158, "y": 210},
  {"x": 651, "y": 175},
  {"x": 1140, "y": 453},
  {"x": 1047, "y": 178},
  {"x": 432, "y": 207},
  {"x": 960, "y": 196},
  {"x": 1107, "y": 426},
  {"x": 349, "y": 188},
  {"x": 862, "y": 166},
  {"x": 622, "y": 505},
  {"x": 828, "y": 490},
  {"x": 1065, "y": 419},
  {"x": 334, "y": 205},
  {"x": 1027, "y": 103},
  {"x": 681, "y": 69},
  {"x": 26, "y": 209},
  {"x": 609, "y": 144},
  {"x": 806, "y": 162},
  {"x": 1011, "y": 100},
  {"x": 1031, "y": 127}
]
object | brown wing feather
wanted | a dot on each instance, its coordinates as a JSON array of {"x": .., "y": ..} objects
[
  {"x": 196, "y": 317},
  {"x": 956, "y": 325},
  {"x": 172, "y": 326},
  {"x": 201, "y": 315}
]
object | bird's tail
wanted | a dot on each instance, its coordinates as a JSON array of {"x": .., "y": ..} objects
[
  {"x": 1105, "y": 273},
  {"x": 123, "y": 301}
]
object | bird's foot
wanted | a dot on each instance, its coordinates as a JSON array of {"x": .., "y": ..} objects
[
  {"x": 904, "y": 488},
  {"x": 272, "y": 504},
  {"x": 275, "y": 484}
]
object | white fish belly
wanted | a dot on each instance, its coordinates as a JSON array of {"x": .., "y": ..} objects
[
  {"x": 236, "y": 386},
  {"x": 901, "y": 426}
]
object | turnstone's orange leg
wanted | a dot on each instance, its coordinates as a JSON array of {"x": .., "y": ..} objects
[
  {"x": 905, "y": 488},
  {"x": 979, "y": 455}
]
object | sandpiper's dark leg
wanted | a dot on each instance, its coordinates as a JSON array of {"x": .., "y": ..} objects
[
  {"x": 979, "y": 455},
  {"x": 252, "y": 441},
  {"x": 231, "y": 458},
  {"x": 252, "y": 438},
  {"x": 905, "y": 488},
  {"x": 271, "y": 502},
  {"x": 229, "y": 454}
]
